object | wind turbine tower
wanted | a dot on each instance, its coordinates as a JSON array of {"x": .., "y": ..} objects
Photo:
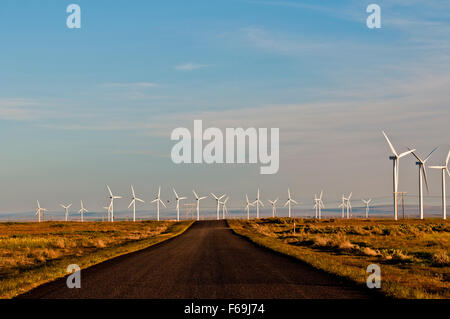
[
  {"x": 66, "y": 207},
  {"x": 133, "y": 202},
  {"x": 158, "y": 201},
  {"x": 443, "y": 168},
  {"x": 178, "y": 199},
  {"x": 198, "y": 199}
]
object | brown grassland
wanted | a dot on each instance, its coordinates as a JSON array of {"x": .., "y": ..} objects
[
  {"x": 34, "y": 253},
  {"x": 414, "y": 255}
]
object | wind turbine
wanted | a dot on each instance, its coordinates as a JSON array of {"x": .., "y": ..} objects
[
  {"x": 133, "y": 202},
  {"x": 367, "y": 202},
  {"x": 443, "y": 168},
  {"x": 395, "y": 160},
  {"x": 422, "y": 172},
  {"x": 108, "y": 210},
  {"x": 67, "y": 209},
  {"x": 112, "y": 197},
  {"x": 257, "y": 202},
  {"x": 178, "y": 203},
  {"x": 198, "y": 199},
  {"x": 39, "y": 210},
  {"x": 318, "y": 204},
  {"x": 158, "y": 200},
  {"x": 274, "y": 206},
  {"x": 348, "y": 205},
  {"x": 289, "y": 202},
  {"x": 224, "y": 208},
  {"x": 218, "y": 203},
  {"x": 342, "y": 205},
  {"x": 82, "y": 211},
  {"x": 247, "y": 207}
]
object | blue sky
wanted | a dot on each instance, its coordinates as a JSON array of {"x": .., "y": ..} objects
[{"x": 82, "y": 108}]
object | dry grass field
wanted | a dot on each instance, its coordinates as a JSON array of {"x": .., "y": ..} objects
[
  {"x": 35, "y": 253},
  {"x": 414, "y": 255}
]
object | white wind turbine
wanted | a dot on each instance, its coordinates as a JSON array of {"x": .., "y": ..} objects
[
  {"x": 218, "y": 203},
  {"x": 39, "y": 210},
  {"x": 178, "y": 199},
  {"x": 422, "y": 173},
  {"x": 82, "y": 211},
  {"x": 443, "y": 168},
  {"x": 224, "y": 207},
  {"x": 342, "y": 205},
  {"x": 348, "y": 205},
  {"x": 367, "y": 202},
  {"x": 112, "y": 197},
  {"x": 395, "y": 160},
  {"x": 274, "y": 206},
  {"x": 133, "y": 202},
  {"x": 158, "y": 200},
  {"x": 247, "y": 207},
  {"x": 66, "y": 207},
  {"x": 289, "y": 202},
  {"x": 318, "y": 204},
  {"x": 257, "y": 202},
  {"x": 198, "y": 199}
]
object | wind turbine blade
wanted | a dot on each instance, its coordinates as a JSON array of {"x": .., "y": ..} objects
[
  {"x": 405, "y": 153},
  {"x": 155, "y": 200},
  {"x": 222, "y": 196},
  {"x": 203, "y": 197},
  {"x": 294, "y": 201},
  {"x": 62, "y": 205},
  {"x": 159, "y": 191},
  {"x": 132, "y": 191},
  {"x": 287, "y": 203},
  {"x": 215, "y": 196},
  {"x": 390, "y": 144},
  {"x": 195, "y": 194},
  {"x": 448, "y": 158},
  {"x": 139, "y": 200},
  {"x": 424, "y": 172},
  {"x": 69, "y": 205},
  {"x": 289, "y": 193},
  {"x": 436, "y": 167},
  {"x": 321, "y": 194},
  {"x": 182, "y": 198},
  {"x": 416, "y": 156},
  {"x": 176, "y": 195},
  {"x": 426, "y": 159},
  {"x": 163, "y": 203},
  {"x": 133, "y": 201},
  {"x": 109, "y": 190}
]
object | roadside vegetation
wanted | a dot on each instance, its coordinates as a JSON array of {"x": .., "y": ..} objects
[
  {"x": 34, "y": 253},
  {"x": 414, "y": 255}
]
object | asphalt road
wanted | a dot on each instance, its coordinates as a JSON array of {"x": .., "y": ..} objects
[{"x": 207, "y": 261}]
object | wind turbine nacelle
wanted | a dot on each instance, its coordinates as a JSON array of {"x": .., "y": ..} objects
[
  {"x": 418, "y": 163},
  {"x": 392, "y": 157}
]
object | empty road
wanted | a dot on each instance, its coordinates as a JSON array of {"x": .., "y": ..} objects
[{"x": 207, "y": 261}]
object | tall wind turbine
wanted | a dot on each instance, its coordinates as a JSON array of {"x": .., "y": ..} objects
[
  {"x": 178, "y": 203},
  {"x": 39, "y": 210},
  {"x": 133, "y": 202},
  {"x": 247, "y": 207},
  {"x": 82, "y": 211},
  {"x": 367, "y": 202},
  {"x": 158, "y": 200},
  {"x": 67, "y": 210},
  {"x": 224, "y": 207},
  {"x": 218, "y": 203},
  {"x": 289, "y": 202},
  {"x": 443, "y": 168},
  {"x": 395, "y": 160},
  {"x": 318, "y": 204},
  {"x": 112, "y": 197},
  {"x": 274, "y": 206},
  {"x": 198, "y": 199},
  {"x": 348, "y": 205},
  {"x": 257, "y": 202},
  {"x": 422, "y": 172},
  {"x": 342, "y": 205}
]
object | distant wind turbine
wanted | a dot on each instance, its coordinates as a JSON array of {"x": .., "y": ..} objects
[
  {"x": 443, "y": 168},
  {"x": 198, "y": 199},
  {"x": 112, "y": 197},
  {"x": 367, "y": 202},
  {"x": 395, "y": 160},
  {"x": 257, "y": 202},
  {"x": 66, "y": 207},
  {"x": 342, "y": 205},
  {"x": 274, "y": 206},
  {"x": 224, "y": 208},
  {"x": 178, "y": 199},
  {"x": 82, "y": 211},
  {"x": 218, "y": 203},
  {"x": 133, "y": 202},
  {"x": 247, "y": 207},
  {"x": 348, "y": 205},
  {"x": 108, "y": 210},
  {"x": 289, "y": 200},
  {"x": 158, "y": 200},
  {"x": 318, "y": 204},
  {"x": 39, "y": 210},
  {"x": 422, "y": 173}
]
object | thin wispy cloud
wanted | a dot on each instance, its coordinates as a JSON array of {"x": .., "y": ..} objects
[
  {"x": 190, "y": 66},
  {"x": 131, "y": 85}
]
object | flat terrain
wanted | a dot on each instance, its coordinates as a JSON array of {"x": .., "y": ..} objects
[
  {"x": 206, "y": 261},
  {"x": 413, "y": 254},
  {"x": 35, "y": 253}
]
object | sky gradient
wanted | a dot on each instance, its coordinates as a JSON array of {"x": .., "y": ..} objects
[{"x": 80, "y": 109}]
